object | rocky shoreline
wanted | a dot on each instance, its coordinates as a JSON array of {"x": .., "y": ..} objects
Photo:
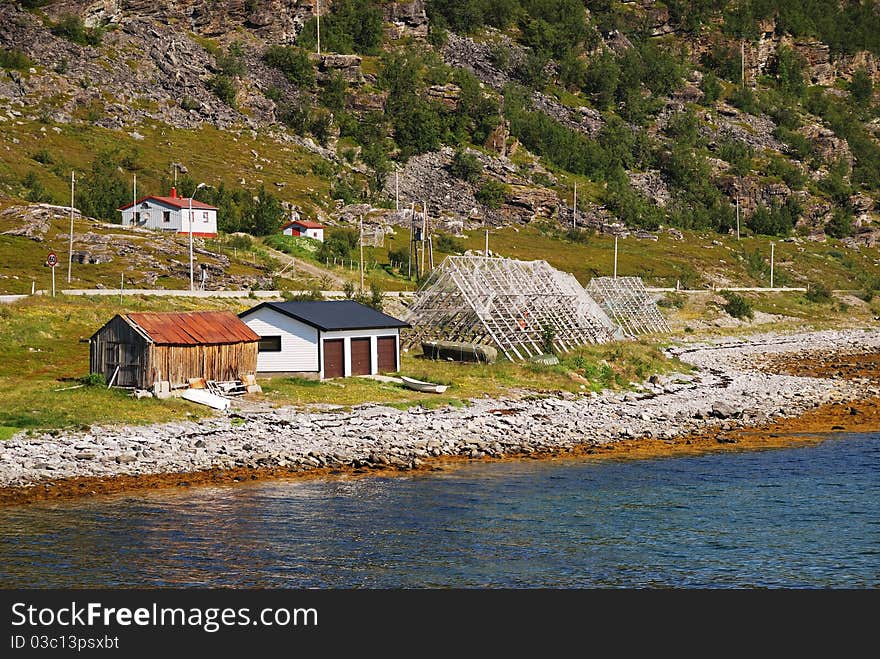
[{"x": 727, "y": 392}]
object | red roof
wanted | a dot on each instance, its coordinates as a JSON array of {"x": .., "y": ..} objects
[
  {"x": 305, "y": 224},
  {"x": 177, "y": 202},
  {"x": 193, "y": 328}
]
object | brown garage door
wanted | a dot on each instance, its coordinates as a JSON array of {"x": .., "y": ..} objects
[
  {"x": 386, "y": 347},
  {"x": 360, "y": 356},
  {"x": 334, "y": 359}
]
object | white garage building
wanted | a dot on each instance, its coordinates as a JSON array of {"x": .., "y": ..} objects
[{"x": 322, "y": 340}]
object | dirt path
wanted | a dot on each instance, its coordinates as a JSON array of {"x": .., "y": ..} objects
[{"x": 291, "y": 264}]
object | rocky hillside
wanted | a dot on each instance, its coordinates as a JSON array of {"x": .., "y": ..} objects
[{"x": 489, "y": 112}]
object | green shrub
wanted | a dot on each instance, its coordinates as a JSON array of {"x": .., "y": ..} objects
[
  {"x": 548, "y": 335},
  {"x": 223, "y": 87},
  {"x": 241, "y": 241},
  {"x": 44, "y": 157},
  {"x": 338, "y": 244},
  {"x": 10, "y": 58},
  {"x": 672, "y": 301},
  {"x": 840, "y": 225},
  {"x": 71, "y": 27},
  {"x": 738, "y": 154},
  {"x": 399, "y": 256},
  {"x": 293, "y": 62},
  {"x": 711, "y": 88},
  {"x": 737, "y": 306},
  {"x": 189, "y": 104},
  {"x": 447, "y": 244},
  {"x": 231, "y": 65},
  {"x": 93, "y": 380},
  {"x": 792, "y": 175},
  {"x": 818, "y": 293},
  {"x": 744, "y": 98},
  {"x": 351, "y": 26},
  {"x": 492, "y": 193},
  {"x": 466, "y": 167},
  {"x": 333, "y": 93}
]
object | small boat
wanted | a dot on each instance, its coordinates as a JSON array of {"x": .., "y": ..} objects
[{"x": 419, "y": 385}]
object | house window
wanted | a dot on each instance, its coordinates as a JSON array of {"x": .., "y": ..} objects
[
  {"x": 166, "y": 216},
  {"x": 204, "y": 216},
  {"x": 269, "y": 344}
]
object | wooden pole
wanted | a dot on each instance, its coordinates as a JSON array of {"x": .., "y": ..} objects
[
  {"x": 615, "y": 257},
  {"x": 362, "y": 252},
  {"x": 742, "y": 61},
  {"x": 487, "y": 242},
  {"x": 318, "y": 23},
  {"x": 121, "y": 285},
  {"x": 737, "y": 215},
  {"x": 396, "y": 190},
  {"x": 190, "y": 220},
  {"x": 772, "y": 254},
  {"x": 574, "y": 213},
  {"x": 70, "y": 250},
  {"x": 412, "y": 214}
]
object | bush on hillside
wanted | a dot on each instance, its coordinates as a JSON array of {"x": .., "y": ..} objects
[{"x": 737, "y": 306}]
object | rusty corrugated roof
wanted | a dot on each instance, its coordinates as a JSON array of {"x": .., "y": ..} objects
[{"x": 193, "y": 328}]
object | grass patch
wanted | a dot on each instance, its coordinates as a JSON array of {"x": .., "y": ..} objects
[
  {"x": 7, "y": 431},
  {"x": 44, "y": 347}
]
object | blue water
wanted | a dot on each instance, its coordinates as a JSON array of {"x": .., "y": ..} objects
[{"x": 801, "y": 517}]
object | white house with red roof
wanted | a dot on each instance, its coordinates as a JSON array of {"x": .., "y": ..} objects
[
  {"x": 171, "y": 213},
  {"x": 304, "y": 228}
]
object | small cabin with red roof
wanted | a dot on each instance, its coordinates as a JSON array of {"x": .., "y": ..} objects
[
  {"x": 304, "y": 228},
  {"x": 171, "y": 213}
]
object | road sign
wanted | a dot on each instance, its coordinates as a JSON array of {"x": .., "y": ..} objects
[{"x": 52, "y": 259}]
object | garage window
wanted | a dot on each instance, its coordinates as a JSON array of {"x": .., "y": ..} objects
[{"x": 269, "y": 344}]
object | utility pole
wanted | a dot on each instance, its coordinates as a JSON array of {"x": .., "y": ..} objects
[
  {"x": 574, "y": 213},
  {"x": 70, "y": 250},
  {"x": 362, "y": 251},
  {"x": 772, "y": 254},
  {"x": 412, "y": 237},
  {"x": 486, "y": 253},
  {"x": 737, "y": 214},
  {"x": 192, "y": 284},
  {"x": 396, "y": 189},
  {"x": 318, "y": 23},
  {"x": 742, "y": 62},
  {"x": 615, "y": 257}
]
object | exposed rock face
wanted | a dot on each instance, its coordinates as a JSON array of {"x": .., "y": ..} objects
[
  {"x": 446, "y": 95},
  {"x": 348, "y": 66},
  {"x": 730, "y": 123},
  {"x": 280, "y": 20},
  {"x": 479, "y": 58},
  {"x": 526, "y": 204},
  {"x": 497, "y": 140},
  {"x": 829, "y": 146},
  {"x": 753, "y": 192},
  {"x": 583, "y": 119},
  {"x": 652, "y": 185},
  {"x": 407, "y": 19}
]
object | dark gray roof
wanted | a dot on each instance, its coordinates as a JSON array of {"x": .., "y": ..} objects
[{"x": 333, "y": 315}]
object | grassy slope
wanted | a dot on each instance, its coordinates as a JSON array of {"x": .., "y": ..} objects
[
  {"x": 210, "y": 154},
  {"x": 697, "y": 259},
  {"x": 22, "y": 260}
]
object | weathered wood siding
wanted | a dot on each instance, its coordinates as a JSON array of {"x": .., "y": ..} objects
[
  {"x": 117, "y": 344},
  {"x": 178, "y": 364},
  {"x": 299, "y": 342},
  {"x": 142, "y": 363}
]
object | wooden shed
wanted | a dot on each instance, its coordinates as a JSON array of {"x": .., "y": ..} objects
[{"x": 138, "y": 349}]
